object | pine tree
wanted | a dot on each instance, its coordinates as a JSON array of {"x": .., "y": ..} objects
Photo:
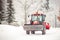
[
  {"x": 10, "y": 11},
  {"x": 47, "y": 4},
  {"x": 1, "y": 12}
]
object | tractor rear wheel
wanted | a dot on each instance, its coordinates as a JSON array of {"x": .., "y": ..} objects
[
  {"x": 43, "y": 32},
  {"x": 27, "y": 32},
  {"x": 32, "y": 32}
]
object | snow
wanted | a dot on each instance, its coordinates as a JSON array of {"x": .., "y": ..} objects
[{"x": 8, "y": 32}]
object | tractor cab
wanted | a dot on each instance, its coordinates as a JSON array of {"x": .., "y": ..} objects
[
  {"x": 37, "y": 18},
  {"x": 36, "y": 24}
]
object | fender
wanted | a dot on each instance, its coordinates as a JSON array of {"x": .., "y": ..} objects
[{"x": 47, "y": 25}]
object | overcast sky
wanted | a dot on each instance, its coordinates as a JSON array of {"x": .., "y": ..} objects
[{"x": 56, "y": 2}]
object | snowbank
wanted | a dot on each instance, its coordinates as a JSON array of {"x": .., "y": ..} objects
[{"x": 8, "y": 32}]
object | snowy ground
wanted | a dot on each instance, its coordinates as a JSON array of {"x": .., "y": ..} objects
[{"x": 17, "y": 33}]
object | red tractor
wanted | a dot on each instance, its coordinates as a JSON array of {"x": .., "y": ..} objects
[{"x": 37, "y": 24}]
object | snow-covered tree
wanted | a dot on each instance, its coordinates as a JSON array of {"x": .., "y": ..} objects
[
  {"x": 10, "y": 12},
  {"x": 47, "y": 4},
  {"x": 25, "y": 6},
  {"x": 1, "y": 12},
  {"x": 44, "y": 5}
]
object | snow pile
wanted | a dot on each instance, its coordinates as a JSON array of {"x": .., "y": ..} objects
[{"x": 8, "y": 32}]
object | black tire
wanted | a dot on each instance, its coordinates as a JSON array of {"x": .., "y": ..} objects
[
  {"x": 43, "y": 32},
  {"x": 27, "y": 32},
  {"x": 32, "y": 32}
]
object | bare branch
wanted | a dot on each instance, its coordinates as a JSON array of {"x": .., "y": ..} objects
[
  {"x": 29, "y": 5},
  {"x": 20, "y": 2}
]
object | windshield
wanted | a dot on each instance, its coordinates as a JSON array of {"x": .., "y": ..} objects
[
  {"x": 38, "y": 18},
  {"x": 34, "y": 18}
]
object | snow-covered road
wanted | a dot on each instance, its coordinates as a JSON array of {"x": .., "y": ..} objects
[{"x": 17, "y": 33}]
